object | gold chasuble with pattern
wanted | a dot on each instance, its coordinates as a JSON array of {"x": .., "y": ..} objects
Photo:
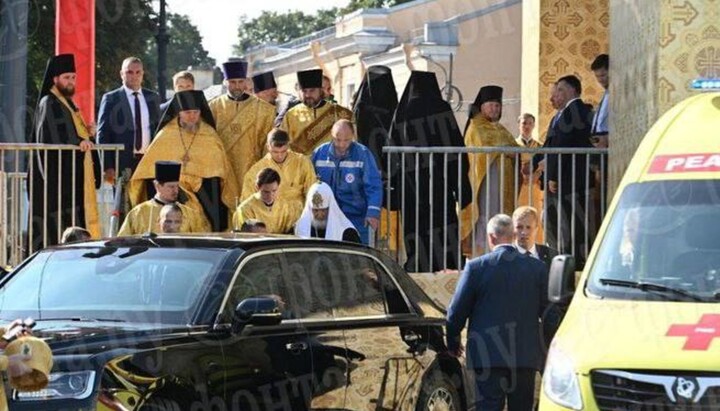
[
  {"x": 297, "y": 174},
  {"x": 481, "y": 132},
  {"x": 280, "y": 218},
  {"x": 202, "y": 156},
  {"x": 309, "y": 127},
  {"x": 243, "y": 126},
  {"x": 145, "y": 218}
]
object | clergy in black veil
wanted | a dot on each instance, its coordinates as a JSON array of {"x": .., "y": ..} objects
[
  {"x": 429, "y": 216},
  {"x": 374, "y": 107}
]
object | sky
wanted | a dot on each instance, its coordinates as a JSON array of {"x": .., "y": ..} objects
[{"x": 218, "y": 20}]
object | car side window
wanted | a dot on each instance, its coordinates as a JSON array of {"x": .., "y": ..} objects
[
  {"x": 394, "y": 299},
  {"x": 260, "y": 276},
  {"x": 335, "y": 285}
]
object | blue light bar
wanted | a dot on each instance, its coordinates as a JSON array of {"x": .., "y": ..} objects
[{"x": 706, "y": 84}]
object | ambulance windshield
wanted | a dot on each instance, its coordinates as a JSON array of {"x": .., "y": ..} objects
[{"x": 663, "y": 243}]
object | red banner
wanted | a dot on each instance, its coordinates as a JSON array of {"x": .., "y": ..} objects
[{"x": 75, "y": 33}]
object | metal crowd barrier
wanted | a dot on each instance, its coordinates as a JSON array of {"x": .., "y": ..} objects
[
  {"x": 578, "y": 207},
  {"x": 17, "y": 187},
  {"x": 433, "y": 247}
]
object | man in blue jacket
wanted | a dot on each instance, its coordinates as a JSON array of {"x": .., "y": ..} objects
[
  {"x": 503, "y": 295},
  {"x": 349, "y": 168}
]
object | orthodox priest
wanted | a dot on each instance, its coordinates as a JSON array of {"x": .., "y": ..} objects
[
  {"x": 430, "y": 225},
  {"x": 242, "y": 120},
  {"x": 373, "y": 110},
  {"x": 62, "y": 185},
  {"x": 144, "y": 217},
  {"x": 310, "y": 122},
  {"x": 186, "y": 134},
  {"x": 296, "y": 170},
  {"x": 491, "y": 174},
  {"x": 265, "y": 87}
]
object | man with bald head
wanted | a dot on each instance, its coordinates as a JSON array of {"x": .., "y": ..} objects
[
  {"x": 171, "y": 218},
  {"x": 349, "y": 168}
]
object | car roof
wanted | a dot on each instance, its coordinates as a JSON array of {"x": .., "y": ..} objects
[
  {"x": 251, "y": 241},
  {"x": 244, "y": 241}
]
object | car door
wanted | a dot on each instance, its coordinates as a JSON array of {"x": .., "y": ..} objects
[
  {"x": 266, "y": 366},
  {"x": 383, "y": 336},
  {"x": 309, "y": 274}
]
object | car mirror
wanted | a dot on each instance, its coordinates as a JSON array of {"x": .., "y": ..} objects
[
  {"x": 561, "y": 283},
  {"x": 257, "y": 311}
]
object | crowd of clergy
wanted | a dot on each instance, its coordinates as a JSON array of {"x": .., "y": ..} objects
[{"x": 312, "y": 168}]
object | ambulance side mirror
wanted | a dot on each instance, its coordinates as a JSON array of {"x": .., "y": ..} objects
[{"x": 561, "y": 283}]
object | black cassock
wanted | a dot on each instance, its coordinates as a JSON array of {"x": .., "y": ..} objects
[
  {"x": 53, "y": 124},
  {"x": 429, "y": 217},
  {"x": 373, "y": 110}
]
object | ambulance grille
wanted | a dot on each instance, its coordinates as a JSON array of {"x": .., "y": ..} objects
[{"x": 655, "y": 390}]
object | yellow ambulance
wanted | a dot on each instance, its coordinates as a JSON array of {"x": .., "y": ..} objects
[{"x": 642, "y": 331}]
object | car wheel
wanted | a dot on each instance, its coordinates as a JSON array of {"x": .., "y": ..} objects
[
  {"x": 438, "y": 394},
  {"x": 161, "y": 404}
]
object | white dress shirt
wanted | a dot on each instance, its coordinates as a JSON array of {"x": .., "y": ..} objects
[
  {"x": 144, "y": 117},
  {"x": 600, "y": 121},
  {"x": 533, "y": 250}
]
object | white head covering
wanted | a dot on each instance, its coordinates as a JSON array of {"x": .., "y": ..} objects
[{"x": 320, "y": 195}]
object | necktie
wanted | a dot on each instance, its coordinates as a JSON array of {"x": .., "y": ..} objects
[
  {"x": 528, "y": 253},
  {"x": 555, "y": 119},
  {"x": 138, "y": 123}
]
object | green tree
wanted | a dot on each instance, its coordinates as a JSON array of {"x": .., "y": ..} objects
[
  {"x": 370, "y": 4},
  {"x": 184, "y": 49},
  {"x": 122, "y": 29},
  {"x": 41, "y": 44},
  {"x": 273, "y": 27}
]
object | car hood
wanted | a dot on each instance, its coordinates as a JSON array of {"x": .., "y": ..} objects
[
  {"x": 622, "y": 334},
  {"x": 90, "y": 337}
]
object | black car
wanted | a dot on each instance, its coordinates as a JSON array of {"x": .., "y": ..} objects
[{"x": 231, "y": 323}]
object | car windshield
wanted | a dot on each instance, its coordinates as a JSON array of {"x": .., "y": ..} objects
[
  {"x": 122, "y": 284},
  {"x": 663, "y": 243}
]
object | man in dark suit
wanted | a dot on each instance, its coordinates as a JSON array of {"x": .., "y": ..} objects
[
  {"x": 128, "y": 115},
  {"x": 567, "y": 175},
  {"x": 525, "y": 223},
  {"x": 503, "y": 294}
]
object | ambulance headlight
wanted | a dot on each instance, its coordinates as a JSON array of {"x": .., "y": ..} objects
[{"x": 560, "y": 380}]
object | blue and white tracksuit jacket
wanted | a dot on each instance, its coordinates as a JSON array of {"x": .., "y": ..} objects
[{"x": 355, "y": 181}]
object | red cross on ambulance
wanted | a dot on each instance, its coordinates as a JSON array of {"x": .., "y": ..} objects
[{"x": 700, "y": 335}]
